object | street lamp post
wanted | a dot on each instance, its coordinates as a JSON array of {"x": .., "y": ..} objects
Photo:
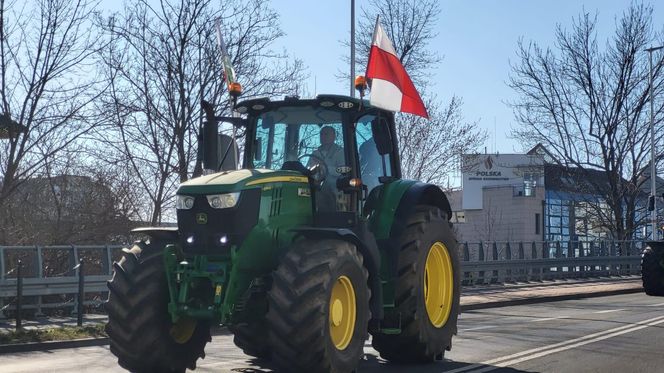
[
  {"x": 653, "y": 175},
  {"x": 352, "y": 48}
]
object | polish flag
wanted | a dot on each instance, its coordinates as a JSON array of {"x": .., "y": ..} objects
[{"x": 391, "y": 87}]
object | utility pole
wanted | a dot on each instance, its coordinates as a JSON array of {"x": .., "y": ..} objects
[
  {"x": 352, "y": 48},
  {"x": 653, "y": 171}
]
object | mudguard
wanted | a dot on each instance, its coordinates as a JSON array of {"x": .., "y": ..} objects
[
  {"x": 389, "y": 205},
  {"x": 169, "y": 234}
]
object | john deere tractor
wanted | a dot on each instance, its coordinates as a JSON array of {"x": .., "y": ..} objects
[{"x": 314, "y": 244}]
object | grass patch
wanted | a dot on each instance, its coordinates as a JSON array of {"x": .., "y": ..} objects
[{"x": 64, "y": 333}]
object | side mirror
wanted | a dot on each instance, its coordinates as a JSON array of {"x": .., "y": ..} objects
[
  {"x": 210, "y": 144},
  {"x": 380, "y": 130},
  {"x": 227, "y": 154}
]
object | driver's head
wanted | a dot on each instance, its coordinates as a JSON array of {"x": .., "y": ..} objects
[{"x": 327, "y": 135}]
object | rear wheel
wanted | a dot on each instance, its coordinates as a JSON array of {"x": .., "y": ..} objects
[
  {"x": 427, "y": 290},
  {"x": 139, "y": 326},
  {"x": 652, "y": 272},
  {"x": 319, "y": 308}
]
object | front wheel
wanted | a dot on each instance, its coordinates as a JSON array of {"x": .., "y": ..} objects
[
  {"x": 319, "y": 308},
  {"x": 427, "y": 292},
  {"x": 139, "y": 326}
]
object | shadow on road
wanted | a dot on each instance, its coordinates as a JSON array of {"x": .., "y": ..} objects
[{"x": 373, "y": 364}]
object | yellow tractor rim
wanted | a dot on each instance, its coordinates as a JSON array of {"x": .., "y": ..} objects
[
  {"x": 182, "y": 330},
  {"x": 342, "y": 312},
  {"x": 438, "y": 284}
]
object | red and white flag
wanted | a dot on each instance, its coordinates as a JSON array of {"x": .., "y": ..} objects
[{"x": 391, "y": 87}]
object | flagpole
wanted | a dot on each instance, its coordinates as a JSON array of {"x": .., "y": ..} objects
[
  {"x": 228, "y": 75},
  {"x": 352, "y": 48}
]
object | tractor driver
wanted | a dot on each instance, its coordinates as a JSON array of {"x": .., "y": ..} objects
[{"x": 333, "y": 156}]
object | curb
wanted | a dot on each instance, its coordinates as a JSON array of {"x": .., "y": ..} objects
[
  {"x": 52, "y": 345},
  {"x": 546, "y": 299},
  {"x": 74, "y": 343}
]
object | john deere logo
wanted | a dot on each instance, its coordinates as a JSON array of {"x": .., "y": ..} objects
[
  {"x": 201, "y": 218},
  {"x": 488, "y": 163}
]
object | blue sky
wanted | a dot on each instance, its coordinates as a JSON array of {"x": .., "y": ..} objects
[{"x": 477, "y": 39}]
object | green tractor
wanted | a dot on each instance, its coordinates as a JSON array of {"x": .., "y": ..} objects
[{"x": 315, "y": 243}]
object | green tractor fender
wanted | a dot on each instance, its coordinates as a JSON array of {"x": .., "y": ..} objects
[
  {"x": 168, "y": 234},
  {"x": 389, "y": 206},
  {"x": 369, "y": 250}
]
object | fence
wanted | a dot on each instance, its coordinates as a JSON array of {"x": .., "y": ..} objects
[
  {"x": 48, "y": 271},
  {"x": 50, "y": 277},
  {"x": 497, "y": 262}
]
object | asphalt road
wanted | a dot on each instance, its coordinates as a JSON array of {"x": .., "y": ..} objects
[{"x": 615, "y": 333}]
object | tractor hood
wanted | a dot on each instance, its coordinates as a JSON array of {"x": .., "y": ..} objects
[{"x": 232, "y": 181}]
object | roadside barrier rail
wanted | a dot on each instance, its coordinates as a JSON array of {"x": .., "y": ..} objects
[
  {"x": 498, "y": 262},
  {"x": 70, "y": 273},
  {"x": 54, "y": 277}
]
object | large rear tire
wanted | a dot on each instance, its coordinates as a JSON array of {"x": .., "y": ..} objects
[
  {"x": 319, "y": 308},
  {"x": 427, "y": 290},
  {"x": 139, "y": 326},
  {"x": 652, "y": 272}
]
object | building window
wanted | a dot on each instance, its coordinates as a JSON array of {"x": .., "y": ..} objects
[
  {"x": 537, "y": 223},
  {"x": 529, "y": 183},
  {"x": 458, "y": 217}
]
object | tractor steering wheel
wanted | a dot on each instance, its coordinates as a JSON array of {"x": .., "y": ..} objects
[{"x": 319, "y": 171}]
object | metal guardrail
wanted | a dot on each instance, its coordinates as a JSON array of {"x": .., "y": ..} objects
[
  {"x": 482, "y": 263},
  {"x": 52, "y": 271},
  {"x": 497, "y": 262}
]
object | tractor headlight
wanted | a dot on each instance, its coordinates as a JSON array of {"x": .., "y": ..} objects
[
  {"x": 184, "y": 202},
  {"x": 223, "y": 201}
]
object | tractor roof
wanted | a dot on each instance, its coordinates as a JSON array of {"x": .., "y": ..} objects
[{"x": 326, "y": 101}]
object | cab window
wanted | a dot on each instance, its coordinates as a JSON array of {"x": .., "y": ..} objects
[{"x": 370, "y": 161}]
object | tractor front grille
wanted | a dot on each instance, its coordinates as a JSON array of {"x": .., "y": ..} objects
[{"x": 207, "y": 231}]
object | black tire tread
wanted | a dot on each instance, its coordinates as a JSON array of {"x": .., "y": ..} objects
[
  {"x": 411, "y": 346},
  {"x": 296, "y": 303},
  {"x": 252, "y": 339},
  {"x": 137, "y": 316},
  {"x": 652, "y": 273}
]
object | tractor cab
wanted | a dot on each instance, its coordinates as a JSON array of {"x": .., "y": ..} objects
[{"x": 345, "y": 147}]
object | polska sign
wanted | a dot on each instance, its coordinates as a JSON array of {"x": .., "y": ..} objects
[
  {"x": 488, "y": 173},
  {"x": 488, "y": 164}
]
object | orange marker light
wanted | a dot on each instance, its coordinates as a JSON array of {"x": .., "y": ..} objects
[
  {"x": 235, "y": 89},
  {"x": 355, "y": 182},
  {"x": 360, "y": 83}
]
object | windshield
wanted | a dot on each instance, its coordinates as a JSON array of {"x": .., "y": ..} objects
[{"x": 301, "y": 134}]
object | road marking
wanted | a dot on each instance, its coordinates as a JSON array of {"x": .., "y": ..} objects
[
  {"x": 535, "y": 353},
  {"x": 656, "y": 305},
  {"x": 550, "y": 318},
  {"x": 479, "y": 328},
  {"x": 609, "y": 311},
  {"x": 504, "y": 361}
]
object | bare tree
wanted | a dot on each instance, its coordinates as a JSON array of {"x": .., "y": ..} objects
[
  {"x": 162, "y": 61},
  {"x": 47, "y": 83},
  {"x": 430, "y": 150},
  {"x": 410, "y": 26},
  {"x": 586, "y": 102},
  {"x": 69, "y": 203}
]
